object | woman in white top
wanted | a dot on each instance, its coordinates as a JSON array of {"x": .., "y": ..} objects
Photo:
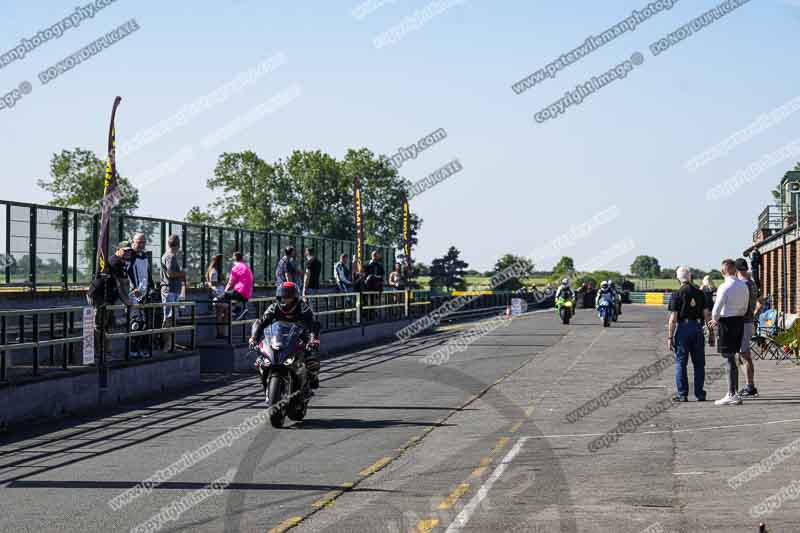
[{"x": 215, "y": 282}]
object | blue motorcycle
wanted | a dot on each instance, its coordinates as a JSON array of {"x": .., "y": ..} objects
[{"x": 606, "y": 309}]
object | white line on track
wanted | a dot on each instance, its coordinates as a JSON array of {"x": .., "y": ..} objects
[
  {"x": 466, "y": 513},
  {"x": 657, "y": 432}
]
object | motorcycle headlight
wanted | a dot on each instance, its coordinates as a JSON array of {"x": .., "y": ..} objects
[{"x": 289, "y": 361}]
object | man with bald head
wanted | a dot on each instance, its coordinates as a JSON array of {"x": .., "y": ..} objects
[{"x": 687, "y": 313}]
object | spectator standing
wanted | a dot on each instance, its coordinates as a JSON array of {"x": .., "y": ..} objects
[
  {"x": 374, "y": 273},
  {"x": 215, "y": 283},
  {"x": 356, "y": 276},
  {"x": 312, "y": 275},
  {"x": 240, "y": 284},
  {"x": 709, "y": 290},
  {"x": 109, "y": 290},
  {"x": 396, "y": 278},
  {"x": 754, "y": 304},
  {"x": 172, "y": 281},
  {"x": 373, "y": 282},
  {"x": 727, "y": 316},
  {"x": 341, "y": 273},
  {"x": 287, "y": 269},
  {"x": 140, "y": 275},
  {"x": 688, "y": 310}
]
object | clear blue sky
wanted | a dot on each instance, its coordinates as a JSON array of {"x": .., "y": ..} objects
[{"x": 523, "y": 183}]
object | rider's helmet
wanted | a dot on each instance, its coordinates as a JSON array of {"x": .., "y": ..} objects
[
  {"x": 287, "y": 296},
  {"x": 565, "y": 282},
  {"x": 604, "y": 285}
]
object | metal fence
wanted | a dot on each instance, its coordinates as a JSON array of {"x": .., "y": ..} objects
[
  {"x": 47, "y": 342},
  {"x": 62, "y": 243}
]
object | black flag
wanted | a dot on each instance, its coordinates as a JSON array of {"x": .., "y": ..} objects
[{"x": 109, "y": 194}]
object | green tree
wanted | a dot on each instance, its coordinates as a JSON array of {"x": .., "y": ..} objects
[
  {"x": 506, "y": 261},
  {"x": 309, "y": 193},
  {"x": 76, "y": 180},
  {"x": 565, "y": 265},
  {"x": 645, "y": 266},
  {"x": 251, "y": 192},
  {"x": 602, "y": 275},
  {"x": 448, "y": 272},
  {"x": 382, "y": 190},
  {"x": 198, "y": 216}
]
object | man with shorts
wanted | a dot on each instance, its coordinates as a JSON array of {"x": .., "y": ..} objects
[
  {"x": 728, "y": 320},
  {"x": 745, "y": 360},
  {"x": 172, "y": 280}
]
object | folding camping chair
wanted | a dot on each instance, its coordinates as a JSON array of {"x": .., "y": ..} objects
[{"x": 763, "y": 344}]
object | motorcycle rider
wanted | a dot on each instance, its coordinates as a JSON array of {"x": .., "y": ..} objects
[
  {"x": 604, "y": 292},
  {"x": 565, "y": 290},
  {"x": 290, "y": 308},
  {"x": 617, "y": 297}
]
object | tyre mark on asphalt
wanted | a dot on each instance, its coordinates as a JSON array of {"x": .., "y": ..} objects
[
  {"x": 236, "y": 500},
  {"x": 486, "y": 461}
]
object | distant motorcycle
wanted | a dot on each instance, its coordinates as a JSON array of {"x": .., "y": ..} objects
[
  {"x": 606, "y": 309},
  {"x": 285, "y": 376},
  {"x": 565, "y": 309}
]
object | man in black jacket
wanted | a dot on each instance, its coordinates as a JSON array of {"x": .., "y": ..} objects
[
  {"x": 140, "y": 276},
  {"x": 374, "y": 272},
  {"x": 290, "y": 308}
]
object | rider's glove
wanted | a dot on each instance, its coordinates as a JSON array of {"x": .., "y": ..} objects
[
  {"x": 313, "y": 343},
  {"x": 252, "y": 342}
]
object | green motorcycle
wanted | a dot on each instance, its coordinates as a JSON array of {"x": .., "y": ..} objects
[{"x": 565, "y": 307}]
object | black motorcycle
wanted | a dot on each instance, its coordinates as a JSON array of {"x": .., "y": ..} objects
[{"x": 285, "y": 372}]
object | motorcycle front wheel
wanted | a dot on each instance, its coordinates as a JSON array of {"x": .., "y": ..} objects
[
  {"x": 278, "y": 415},
  {"x": 298, "y": 412}
]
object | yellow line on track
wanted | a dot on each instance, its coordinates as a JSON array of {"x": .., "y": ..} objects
[
  {"x": 287, "y": 524},
  {"x": 425, "y": 526},
  {"x": 377, "y": 465},
  {"x": 451, "y": 500}
]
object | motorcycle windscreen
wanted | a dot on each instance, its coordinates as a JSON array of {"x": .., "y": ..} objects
[
  {"x": 606, "y": 300},
  {"x": 283, "y": 337}
]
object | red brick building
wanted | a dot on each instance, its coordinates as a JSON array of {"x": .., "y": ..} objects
[{"x": 777, "y": 241}]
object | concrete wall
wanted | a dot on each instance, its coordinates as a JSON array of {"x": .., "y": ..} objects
[{"x": 79, "y": 391}]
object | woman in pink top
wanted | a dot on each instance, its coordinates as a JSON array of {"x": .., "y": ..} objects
[{"x": 240, "y": 284}]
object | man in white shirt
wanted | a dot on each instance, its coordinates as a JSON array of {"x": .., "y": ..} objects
[{"x": 727, "y": 318}]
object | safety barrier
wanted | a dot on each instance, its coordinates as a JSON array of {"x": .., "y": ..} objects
[
  {"x": 139, "y": 327},
  {"x": 339, "y": 310},
  {"x": 58, "y": 334},
  {"x": 148, "y": 317},
  {"x": 650, "y": 298}
]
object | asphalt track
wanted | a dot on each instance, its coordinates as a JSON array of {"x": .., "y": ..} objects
[{"x": 479, "y": 443}]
